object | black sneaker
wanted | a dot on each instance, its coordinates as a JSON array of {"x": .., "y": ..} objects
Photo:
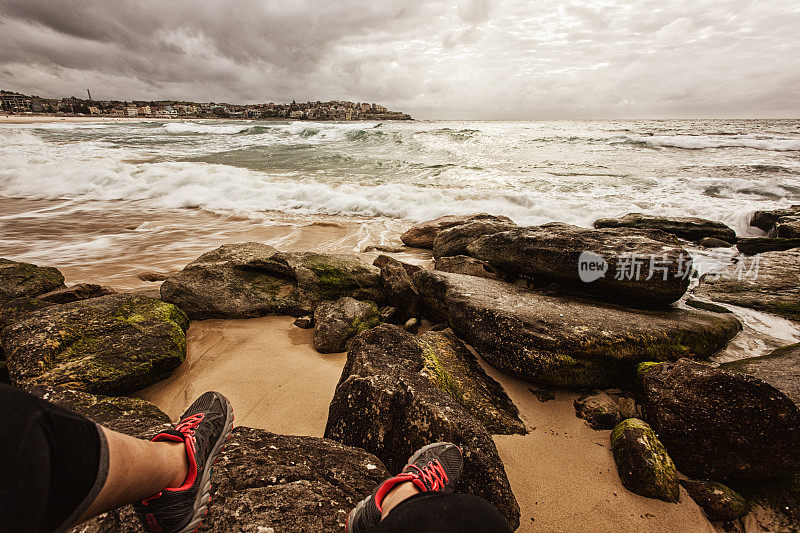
[
  {"x": 435, "y": 467},
  {"x": 204, "y": 428}
]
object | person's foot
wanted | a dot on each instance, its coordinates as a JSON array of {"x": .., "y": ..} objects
[
  {"x": 435, "y": 467},
  {"x": 204, "y": 428}
]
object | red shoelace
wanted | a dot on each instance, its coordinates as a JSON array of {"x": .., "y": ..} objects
[
  {"x": 432, "y": 474},
  {"x": 188, "y": 425}
]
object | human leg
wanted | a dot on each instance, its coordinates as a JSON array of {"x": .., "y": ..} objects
[{"x": 62, "y": 468}]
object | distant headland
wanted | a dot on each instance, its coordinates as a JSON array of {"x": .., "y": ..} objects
[{"x": 20, "y": 104}]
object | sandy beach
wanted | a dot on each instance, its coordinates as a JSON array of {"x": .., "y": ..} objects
[{"x": 562, "y": 473}]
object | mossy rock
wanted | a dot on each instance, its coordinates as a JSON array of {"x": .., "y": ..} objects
[
  {"x": 388, "y": 404},
  {"x": 720, "y": 503},
  {"x": 248, "y": 280},
  {"x": 112, "y": 345},
  {"x": 643, "y": 463},
  {"x": 563, "y": 340},
  {"x": 25, "y": 279},
  {"x": 336, "y": 322},
  {"x": 450, "y": 365},
  {"x": 719, "y": 424}
]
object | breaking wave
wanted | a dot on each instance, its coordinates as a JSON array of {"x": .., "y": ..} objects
[{"x": 691, "y": 142}]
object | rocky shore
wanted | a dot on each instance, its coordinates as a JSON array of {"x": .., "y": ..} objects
[{"x": 456, "y": 353}]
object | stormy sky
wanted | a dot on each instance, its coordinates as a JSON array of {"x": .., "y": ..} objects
[{"x": 505, "y": 59}]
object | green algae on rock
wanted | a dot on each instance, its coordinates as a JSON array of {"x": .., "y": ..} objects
[
  {"x": 109, "y": 345},
  {"x": 566, "y": 341},
  {"x": 450, "y": 365},
  {"x": 336, "y": 322},
  {"x": 643, "y": 463},
  {"x": 388, "y": 403},
  {"x": 720, "y": 503},
  {"x": 25, "y": 279},
  {"x": 248, "y": 280}
]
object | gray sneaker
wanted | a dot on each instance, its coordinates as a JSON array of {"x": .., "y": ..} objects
[
  {"x": 204, "y": 429},
  {"x": 433, "y": 468}
]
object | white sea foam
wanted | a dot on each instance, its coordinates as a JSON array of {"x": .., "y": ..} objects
[
  {"x": 200, "y": 128},
  {"x": 700, "y": 142}
]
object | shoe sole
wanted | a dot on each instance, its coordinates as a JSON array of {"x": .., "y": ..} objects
[
  {"x": 362, "y": 503},
  {"x": 204, "y": 494}
]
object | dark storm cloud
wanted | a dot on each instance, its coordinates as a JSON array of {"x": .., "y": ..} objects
[{"x": 472, "y": 58}]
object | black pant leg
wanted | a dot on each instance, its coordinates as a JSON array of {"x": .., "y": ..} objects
[
  {"x": 53, "y": 463},
  {"x": 437, "y": 512}
]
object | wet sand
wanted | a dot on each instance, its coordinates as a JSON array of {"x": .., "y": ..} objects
[{"x": 114, "y": 242}]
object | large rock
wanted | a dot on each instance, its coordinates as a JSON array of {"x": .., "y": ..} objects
[
  {"x": 644, "y": 466},
  {"x": 643, "y": 268},
  {"x": 24, "y": 279},
  {"x": 422, "y": 235},
  {"x": 784, "y": 223},
  {"x": 759, "y": 245},
  {"x": 720, "y": 503},
  {"x": 464, "y": 264},
  {"x": 449, "y": 364},
  {"x": 249, "y": 280},
  {"x": 780, "y": 368},
  {"x": 718, "y": 424},
  {"x": 767, "y": 282},
  {"x": 392, "y": 399},
  {"x": 400, "y": 291},
  {"x": 267, "y": 482},
  {"x": 689, "y": 228},
  {"x": 336, "y": 322},
  {"x": 109, "y": 345},
  {"x": 454, "y": 241},
  {"x": 566, "y": 341}
]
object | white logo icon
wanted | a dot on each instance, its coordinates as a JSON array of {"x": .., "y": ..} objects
[{"x": 591, "y": 267}]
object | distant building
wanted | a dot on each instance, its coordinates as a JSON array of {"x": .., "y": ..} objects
[
  {"x": 15, "y": 102},
  {"x": 144, "y": 111},
  {"x": 94, "y": 110}
]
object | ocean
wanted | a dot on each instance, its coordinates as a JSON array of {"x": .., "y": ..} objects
[
  {"x": 106, "y": 201},
  {"x": 74, "y": 191}
]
